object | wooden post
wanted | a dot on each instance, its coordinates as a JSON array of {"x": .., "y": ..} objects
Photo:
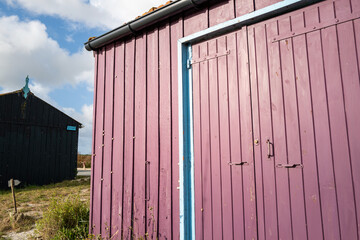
[{"x": 13, "y": 193}]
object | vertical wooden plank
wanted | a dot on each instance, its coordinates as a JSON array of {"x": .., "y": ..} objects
[
  {"x": 342, "y": 8},
  {"x": 259, "y": 4},
  {"x": 152, "y": 135},
  {"x": 327, "y": 192},
  {"x": 8, "y": 156},
  {"x": 19, "y": 166},
  {"x": 118, "y": 142},
  {"x": 74, "y": 151},
  {"x": 235, "y": 136},
  {"x": 45, "y": 153},
  {"x": 165, "y": 224},
  {"x": 26, "y": 158},
  {"x": 279, "y": 135},
  {"x": 98, "y": 147},
  {"x": 224, "y": 131},
  {"x": 2, "y": 157},
  {"x": 108, "y": 132},
  {"x": 93, "y": 150},
  {"x": 259, "y": 192},
  {"x": 52, "y": 145},
  {"x": 356, "y": 163},
  {"x": 266, "y": 125},
  {"x": 310, "y": 172},
  {"x": 195, "y": 21},
  {"x": 221, "y": 12},
  {"x": 243, "y": 7},
  {"x": 140, "y": 136},
  {"x": 42, "y": 149},
  {"x": 176, "y": 33},
  {"x": 128, "y": 138},
  {"x": 68, "y": 158},
  {"x": 357, "y": 40},
  {"x": 292, "y": 134},
  {"x": 203, "y": 194},
  {"x": 197, "y": 145},
  {"x": 58, "y": 137},
  {"x": 351, "y": 90},
  {"x": 247, "y": 149},
  {"x": 339, "y": 137},
  {"x": 48, "y": 157},
  {"x": 214, "y": 165},
  {"x": 355, "y": 6}
]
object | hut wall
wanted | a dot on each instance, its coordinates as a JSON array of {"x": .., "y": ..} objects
[
  {"x": 135, "y": 150},
  {"x": 35, "y": 145}
]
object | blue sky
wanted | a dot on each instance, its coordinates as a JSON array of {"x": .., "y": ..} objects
[{"x": 44, "y": 39}]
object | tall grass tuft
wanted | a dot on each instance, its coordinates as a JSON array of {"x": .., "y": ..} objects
[{"x": 64, "y": 219}]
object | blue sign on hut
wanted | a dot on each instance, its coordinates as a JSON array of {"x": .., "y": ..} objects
[{"x": 38, "y": 143}]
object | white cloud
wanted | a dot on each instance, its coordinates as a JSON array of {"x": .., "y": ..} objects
[
  {"x": 105, "y": 14},
  {"x": 69, "y": 38},
  {"x": 85, "y": 133},
  {"x": 26, "y": 49}
]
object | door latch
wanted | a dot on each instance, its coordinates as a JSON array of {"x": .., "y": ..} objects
[
  {"x": 295, "y": 165},
  {"x": 270, "y": 152},
  {"x": 238, "y": 163}
]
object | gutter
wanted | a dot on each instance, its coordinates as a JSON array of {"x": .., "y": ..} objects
[{"x": 142, "y": 22}]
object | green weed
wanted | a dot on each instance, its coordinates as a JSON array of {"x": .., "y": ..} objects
[{"x": 64, "y": 219}]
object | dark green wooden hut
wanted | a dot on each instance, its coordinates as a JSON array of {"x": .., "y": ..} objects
[{"x": 38, "y": 143}]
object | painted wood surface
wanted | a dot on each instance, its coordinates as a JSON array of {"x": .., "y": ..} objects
[
  {"x": 152, "y": 143},
  {"x": 283, "y": 81},
  {"x": 139, "y": 139},
  {"x": 304, "y": 74},
  {"x": 130, "y": 49},
  {"x": 165, "y": 218},
  {"x": 108, "y": 136},
  {"x": 176, "y": 32},
  {"x": 223, "y": 192},
  {"x": 118, "y": 142},
  {"x": 98, "y": 145}
]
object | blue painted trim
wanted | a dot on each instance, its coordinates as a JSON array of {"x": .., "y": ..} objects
[
  {"x": 181, "y": 65},
  {"x": 186, "y": 141},
  {"x": 190, "y": 159},
  {"x": 187, "y": 146},
  {"x": 186, "y": 156},
  {"x": 71, "y": 128}
]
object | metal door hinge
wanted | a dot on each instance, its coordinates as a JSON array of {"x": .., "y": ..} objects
[{"x": 188, "y": 63}]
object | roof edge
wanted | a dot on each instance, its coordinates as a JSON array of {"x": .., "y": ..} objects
[{"x": 142, "y": 22}]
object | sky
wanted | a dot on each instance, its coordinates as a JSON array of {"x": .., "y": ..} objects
[{"x": 45, "y": 40}]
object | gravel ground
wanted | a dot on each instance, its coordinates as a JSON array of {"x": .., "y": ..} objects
[{"x": 21, "y": 235}]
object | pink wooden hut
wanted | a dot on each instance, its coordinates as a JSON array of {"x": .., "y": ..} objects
[{"x": 234, "y": 119}]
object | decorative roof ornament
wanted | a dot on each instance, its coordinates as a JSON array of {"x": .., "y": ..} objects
[{"x": 26, "y": 88}]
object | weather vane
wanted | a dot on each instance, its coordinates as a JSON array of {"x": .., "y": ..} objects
[{"x": 26, "y": 88}]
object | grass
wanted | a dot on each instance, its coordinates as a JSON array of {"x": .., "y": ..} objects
[
  {"x": 65, "y": 219},
  {"x": 33, "y": 200}
]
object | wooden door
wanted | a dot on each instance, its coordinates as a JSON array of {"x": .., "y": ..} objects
[
  {"x": 225, "y": 206},
  {"x": 305, "y": 90},
  {"x": 276, "y": 126}
]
